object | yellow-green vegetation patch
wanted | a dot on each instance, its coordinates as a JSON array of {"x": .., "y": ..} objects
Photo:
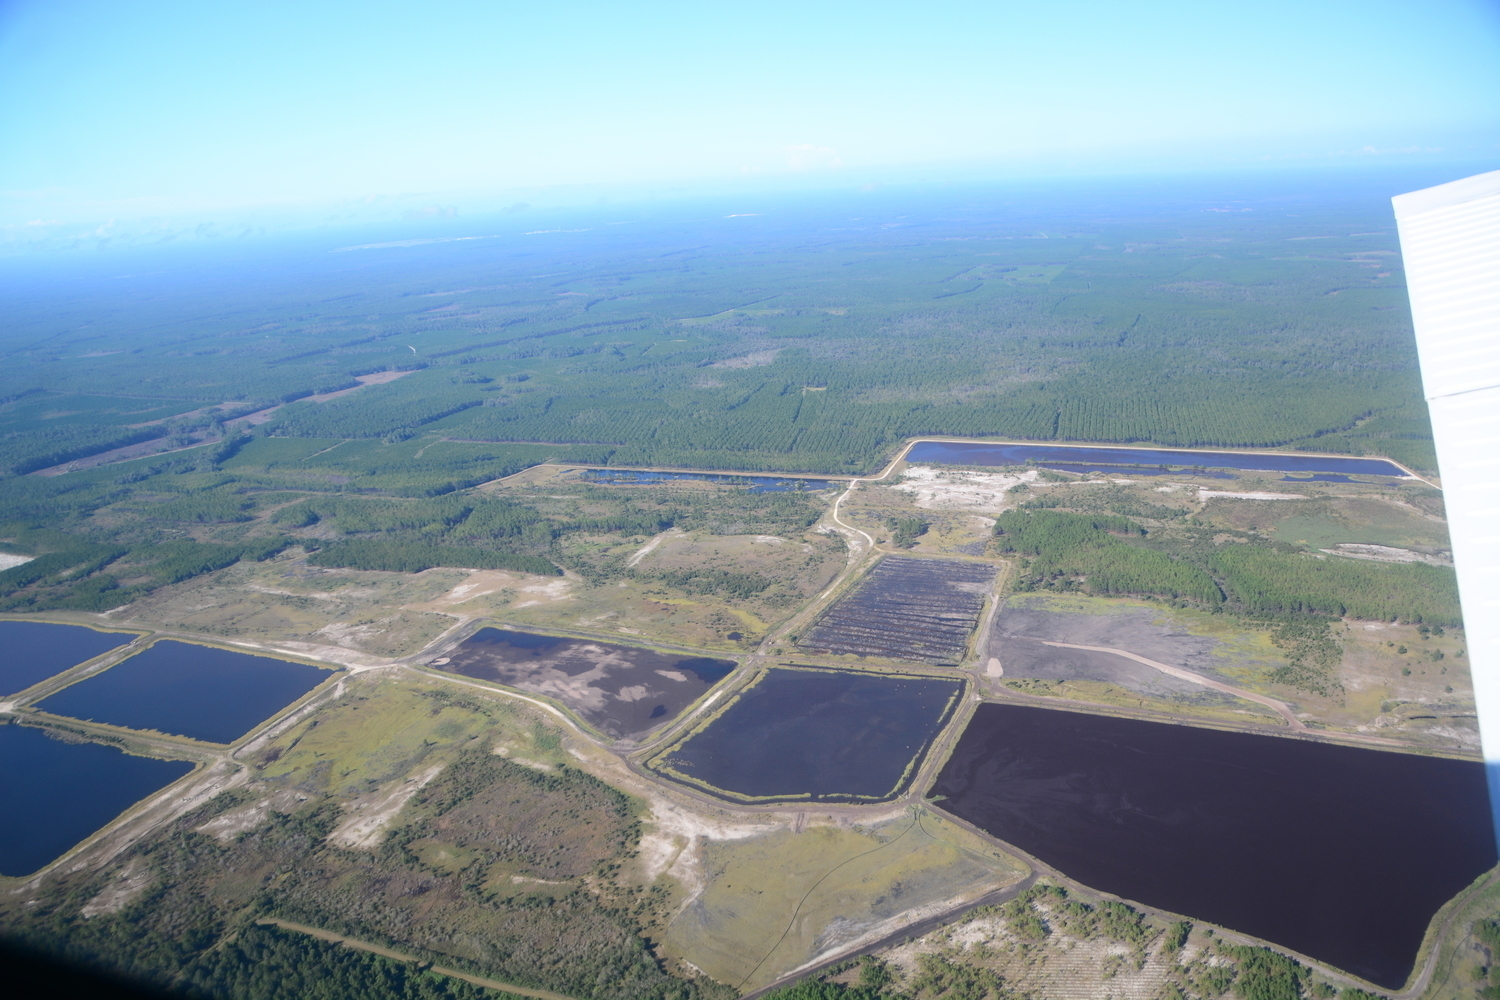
[
  {"x": 1322, "y": 522},
  {"x": 382, "y": 730},
  {"x": 1091, "y": 692},
  {"x": 774, "y": 903}
]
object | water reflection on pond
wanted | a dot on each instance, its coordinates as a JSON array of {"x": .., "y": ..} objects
[
  {"x": 978, "y": 453},
  {"x": 188, "y": 690},
  {"x": 34, "y": 651},
  {"x": 1339, "y": 852},
  {"x": 65, "y": 791}
]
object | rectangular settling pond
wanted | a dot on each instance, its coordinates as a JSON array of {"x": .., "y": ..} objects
[
  {"x": 1080, "y": 458},
  {"x": 188, "y": 690},
  {"x": 58, "y": 793},
  {"x": 906, "y": 609},
  {"x": 34, "y": 651},
  {"x": 801, "y": 734},
  {"x": 1338, "y": 852},
  {"x": 622, "y": 691}
]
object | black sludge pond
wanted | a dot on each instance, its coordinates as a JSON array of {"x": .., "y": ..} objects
[
  {"x": 803, "y": 734},
  {"x": 34, "y": 651},
  {"x": 188, "y": 690},
  {"x": 57, "y": 793},
  {"x": 1341, "y": 853},
  {"x": 622, "y": 691}
]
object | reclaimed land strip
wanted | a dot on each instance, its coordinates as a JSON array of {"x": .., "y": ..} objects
[
  {"x": 1280, "y": 707},
  {"x": 375, "y": 949},
  {"x": 910, "y": 609}
]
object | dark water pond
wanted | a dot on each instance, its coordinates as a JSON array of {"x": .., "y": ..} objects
[
  {"x": 960, "y": 453},
  {"x": 188, "y": 690},
  {"x": 57, "y": 793},
  {"x": 34, "y": 651},
  {"x": 757, "y": 484},
  {"x": 619, "y": 690},
  {"x": 1338, "y": 852},
  {"x": 817, "y": 735}
]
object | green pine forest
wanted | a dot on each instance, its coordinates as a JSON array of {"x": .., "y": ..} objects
[{"x": 812, "y": 345}]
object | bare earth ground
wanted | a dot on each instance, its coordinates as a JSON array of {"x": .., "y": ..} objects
[{"x": 1431, "y": 705}]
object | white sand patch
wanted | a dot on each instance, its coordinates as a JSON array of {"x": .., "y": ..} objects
[
  {"x": 1204, "y": 494},
  {"x": 674, "y": 835},
  {"x": 8, "y": 561},
  {"x": 229, "y": 825},
  {"x": 129, "y": 882},
  {"x": 768, "y": 540},
  {"x": 535, "y": 765},
  {"x": 754, "y": 360},
  {"x": 959, "y": 489},
  {"x": 993, "y": 668},
  {"x": 355, "y": 661},
  {"x": 634, "y": 692},
  {"x": 557, "y": 590},
  {"x": 673, "y": 675},
  {"x": 650, "y": 547},
  {"x": 1384, "y": 553},
  {"x": 368, "y": 816}
]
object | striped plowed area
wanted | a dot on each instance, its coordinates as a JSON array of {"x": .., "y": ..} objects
[{"x": 906, "y": 609}]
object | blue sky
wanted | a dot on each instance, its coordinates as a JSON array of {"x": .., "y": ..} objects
[{"x": 113, "y": 110}]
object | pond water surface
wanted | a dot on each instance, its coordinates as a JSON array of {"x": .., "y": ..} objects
[
  {"x": 620, "y": 690},
  {"x": 818, "y": 735},
  {"x": 188, "y": 690},
  {"x": 57, "y": 793},
  {"x": 1341, "y": 853},
  {"x": 34, "y": 651},
  {"x": 970, "y": 453}
]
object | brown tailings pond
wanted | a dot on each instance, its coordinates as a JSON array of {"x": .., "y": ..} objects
[
  {"x": 622, "y": 691},
  {"x": 1341, "y": 853}
]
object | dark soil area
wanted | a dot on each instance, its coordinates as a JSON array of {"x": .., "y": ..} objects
[
  {"x": 623, "y": 691},
  {"x": 907, "y": 609}
]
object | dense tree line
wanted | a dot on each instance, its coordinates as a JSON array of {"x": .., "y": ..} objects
[
  {"x": 1064, "y": 546},
  {"x": 1095, "y": 552},
  {"x": 1262, "y": 578}
]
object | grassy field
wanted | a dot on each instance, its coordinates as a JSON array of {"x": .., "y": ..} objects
[{"x": 772, "y": 903}]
